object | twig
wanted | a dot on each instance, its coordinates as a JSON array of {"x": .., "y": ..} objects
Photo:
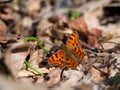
[
  {"x": 5, "y": 1},
  {"x": 61, "y": 75}
]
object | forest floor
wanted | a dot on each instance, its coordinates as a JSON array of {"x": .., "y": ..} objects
[{"x": 59, "y": 45}]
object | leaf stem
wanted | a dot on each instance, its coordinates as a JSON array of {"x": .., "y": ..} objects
[
  {"x": 38, "y": 42},
  {"x": 32, "y": 68}
]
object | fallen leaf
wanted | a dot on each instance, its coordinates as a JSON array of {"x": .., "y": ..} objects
[
  {"x": 96, "y": 77},
  {"x": 43, "y": 28},
  {"x": 53, "y": 19},
  {"x": 79, "y": 24},
  {"x": 24, "y": 73},
  {"x": 108, "y": 45},
  {"x": 92, "y": 41},
  {"x": 72, "y": 80},
  {"x": 6, "y": 38},
  {"x": 20, "y": 85},
  {"x": 32, "y": 7},
  {"x": 27, "y": 22},
  {"x": 15, "y": 57},
  {"x": 54, "y": 76},
  {"x": 34, "y": 59},
  {"x": 3, "y": 27},
  {"x": 96, "y": 32},
  {"x": 6, "y": 16}
]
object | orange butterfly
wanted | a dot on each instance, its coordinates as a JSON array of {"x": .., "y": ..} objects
[{"x": 70, "y": 55}]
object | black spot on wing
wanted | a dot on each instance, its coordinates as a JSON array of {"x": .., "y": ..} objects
[
  {"x": 70, "y": 38},
  {"x": 56, "y": 55}
]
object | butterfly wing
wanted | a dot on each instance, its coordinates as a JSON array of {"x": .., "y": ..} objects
[
  {"x": 60, "y": 59},
  {"x": 79, "y": 52},
  {"x": 57, "y": 59},
  {"x": 71, "y": 63},
  {"x": 73, "y": 40},
  {"x": 74, "y": 44}
]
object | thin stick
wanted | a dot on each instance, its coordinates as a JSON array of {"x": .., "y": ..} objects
[{"x": 61, "y": 75}]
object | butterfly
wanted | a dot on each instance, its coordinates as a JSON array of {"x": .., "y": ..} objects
[{"x": 70, "y": 55}]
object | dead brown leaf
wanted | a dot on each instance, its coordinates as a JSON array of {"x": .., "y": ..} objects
[
  {"x": 43, "y": 28},
  {"x": 96, "y": 32},
  {"x": 93, "y": 37},
  {"x": 3, "y": 31},
  {"x": 20, "y": 85},
  {"x": 92, "y": 41},
  {"x": 3, "y": 27},
  {"x": 31, "y": 7},
  {"x": 6, "y": 38},
  {"x": 34, "y": 59},
  {"x": 96, "y": 77},
  {"x": 79, "y": 24},
  {"x": 15, "y": 57},
  {"x": 54, "y": 19},
  {"x": 54, "y": 76},
  {"x": 6, "y": 16},
  {"x": 23, "y": 73}
]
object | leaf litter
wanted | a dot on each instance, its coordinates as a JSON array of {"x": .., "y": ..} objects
[{"x": 31, "y": 31}]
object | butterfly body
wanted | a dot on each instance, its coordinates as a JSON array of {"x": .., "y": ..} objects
[{"x": 70, "y": 55}]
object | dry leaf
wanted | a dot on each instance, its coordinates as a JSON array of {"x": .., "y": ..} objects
[
  {"x": 23, "y": 73},
  {"x": 27, "y": 22},
  {"x": 6, "y": 84},
  {"x": 79, "y": 24},
  {"x": 92, "y": 41},
  {"x": 34, "y": 59},
  {"x": 43, "y": 28},
  {"x": 32, "y": 7},
  {"x": 5, "y": 38},
  {"x": 93, "y": 37},
  {"x": 72, "y": 80},
  {"x": 69, "y": 74},
  {"x": 54, "y": 76},
  {"x": 15, "y": 57},
  {"x": 96, "y": 32},
  {"x": 6, "y": 16},
  {"x": 96, "y": 77},
  {"x": 111, "y": 45},
  {"x": 3, "y": 27},
  {"x": 53, "y": 19}
]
